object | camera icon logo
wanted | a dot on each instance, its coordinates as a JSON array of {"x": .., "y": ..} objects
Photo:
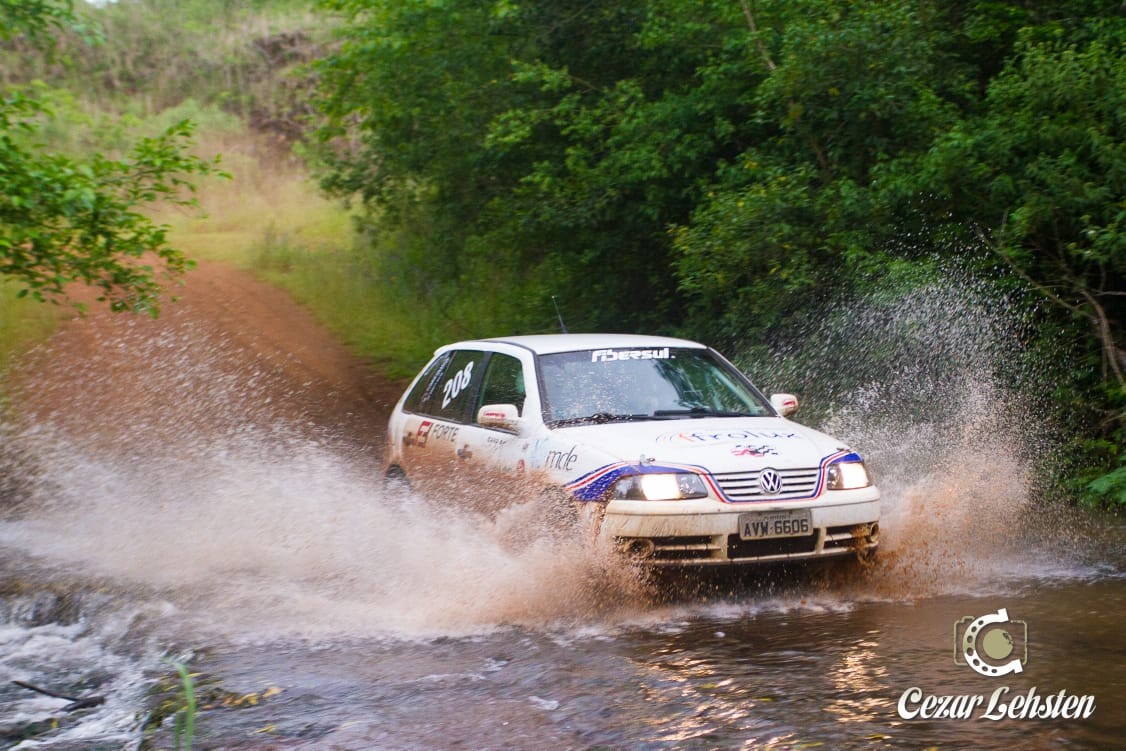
[{"x": 991, "y": 645}]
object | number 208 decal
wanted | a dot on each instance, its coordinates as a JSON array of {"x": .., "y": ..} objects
[{"x": 454, "y": 386}]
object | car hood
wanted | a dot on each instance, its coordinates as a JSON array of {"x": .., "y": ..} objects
[{"x": 729, "y": 444}]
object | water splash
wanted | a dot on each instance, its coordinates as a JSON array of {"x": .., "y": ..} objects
[
  {"x": 936, "y": 389},
  {"x": 180, "y": 461},
  {"x": 289, "y": 536},
  {"x": 206, "y": 466}
]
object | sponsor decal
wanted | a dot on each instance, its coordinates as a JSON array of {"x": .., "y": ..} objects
[
  {"x": 993, "y": 645},
  {"x": 617, "y": 355},
  {"x": 563, "y": 461},
  {"x": 710, "y": 438},
  {"x": 443, "y": 432},
  {"x": 754, "y": 451},
  {"x": 427, "y": 430}
]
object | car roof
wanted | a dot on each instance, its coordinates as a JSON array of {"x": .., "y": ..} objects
[{"x": 545, "y": 344}]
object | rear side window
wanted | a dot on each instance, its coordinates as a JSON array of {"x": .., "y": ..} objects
[
  {"x": 449, "y": 390},
  {"x": 424, "y": 388}
]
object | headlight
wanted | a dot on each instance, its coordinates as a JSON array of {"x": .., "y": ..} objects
[
  {"x": 660, "y": 487},
  {"x": 848, "y": 476}
]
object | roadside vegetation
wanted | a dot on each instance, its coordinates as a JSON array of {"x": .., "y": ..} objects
[{"x": 712, "y": 169}]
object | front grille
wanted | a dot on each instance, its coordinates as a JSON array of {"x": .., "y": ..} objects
[
  {"x": 743, "y": 486},
  {"x": 740, "y": 548}
]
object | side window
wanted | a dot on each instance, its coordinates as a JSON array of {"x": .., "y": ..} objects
[
  {"x": 424, "y": 389},
  {"x": 455, "y": 385},
  {"x": 503, "y": 384}
]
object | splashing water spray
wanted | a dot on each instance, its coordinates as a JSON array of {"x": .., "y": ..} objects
[
  {"x": 214, "y": 494},
  {"x": 933, "y": 387}
]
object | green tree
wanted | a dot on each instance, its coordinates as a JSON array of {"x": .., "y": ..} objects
[
  {"x": 1041, "y": 175},
  {"x": 535, "y": 143},
  {"x": 843, "y": 90},
  {"x": 713, "y": 166},
  {"x": 65, "y": 219},
  {"x": 1044, "y": 170}
]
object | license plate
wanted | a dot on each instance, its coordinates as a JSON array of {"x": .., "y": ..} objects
[{"x": 762, "y": 525}]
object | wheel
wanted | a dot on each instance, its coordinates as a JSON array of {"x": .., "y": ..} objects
[{"x": 396, "y": 479}]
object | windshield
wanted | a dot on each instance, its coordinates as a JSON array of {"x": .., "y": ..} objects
[{"x": 611, "y": 385}]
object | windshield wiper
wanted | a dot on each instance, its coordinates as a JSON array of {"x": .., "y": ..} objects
[
  {"x": 700, "y": 412},
  {"x": 598, "y": 418}
]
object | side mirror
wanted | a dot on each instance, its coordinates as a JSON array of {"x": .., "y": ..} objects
[
  {"x": 786, "y": 404},
  {"x": 503, "y": 416}
]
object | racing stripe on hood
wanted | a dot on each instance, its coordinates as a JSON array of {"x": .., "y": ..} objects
[{"x": 593, "y": 485}]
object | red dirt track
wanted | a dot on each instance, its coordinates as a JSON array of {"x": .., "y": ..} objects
[{"x": 233, "y": 353}]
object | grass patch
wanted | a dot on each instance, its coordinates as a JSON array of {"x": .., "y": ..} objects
[
  {"x": 23, "y": 322},
  {"x": 185, "y": 718},
  {"x": 347, "y": 294},
  {"x": 271, "y": 219},
  {"x": 269, "y": 191}
]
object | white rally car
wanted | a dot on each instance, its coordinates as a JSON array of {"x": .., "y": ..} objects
[{"x": 674, "y": 454}]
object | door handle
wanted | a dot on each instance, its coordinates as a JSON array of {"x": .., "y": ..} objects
[{"x": 464, "y": 452}]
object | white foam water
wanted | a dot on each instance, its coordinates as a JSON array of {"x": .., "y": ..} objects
[{"x": 291, "y": 536}]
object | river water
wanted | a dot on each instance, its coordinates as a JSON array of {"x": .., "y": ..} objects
[{"x": 318, "y": 611}]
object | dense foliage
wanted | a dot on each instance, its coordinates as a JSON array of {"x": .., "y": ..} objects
[
  {"x": 67, "y": 219},
  {"x": 710, "y": 166}
]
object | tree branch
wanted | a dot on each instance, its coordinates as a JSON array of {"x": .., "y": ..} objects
[
  {"x": 1039, "y": 287},
  {"x": 1113, "y": 355},
  {"x": 770, "y": 65},
  {"x": 754, "y": 33}
]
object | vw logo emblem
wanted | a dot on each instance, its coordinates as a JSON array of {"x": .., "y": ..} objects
[{"x": 770, "y": 482}]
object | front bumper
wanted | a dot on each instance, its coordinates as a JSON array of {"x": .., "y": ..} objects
[{"x": 706, "y": 531}]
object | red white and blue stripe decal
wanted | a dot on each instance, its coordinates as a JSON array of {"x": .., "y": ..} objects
[
  {"x": 822, "y": 476},
  {"x": 594, "y": 485}
]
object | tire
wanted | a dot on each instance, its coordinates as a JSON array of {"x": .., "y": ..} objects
[{"x": 396, "y": 479}]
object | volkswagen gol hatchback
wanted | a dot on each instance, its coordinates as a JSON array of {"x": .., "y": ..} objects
[{"x": 676, "y": 457}]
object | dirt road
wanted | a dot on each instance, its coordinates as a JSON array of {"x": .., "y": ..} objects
[{"x": 233, "y": 354}]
